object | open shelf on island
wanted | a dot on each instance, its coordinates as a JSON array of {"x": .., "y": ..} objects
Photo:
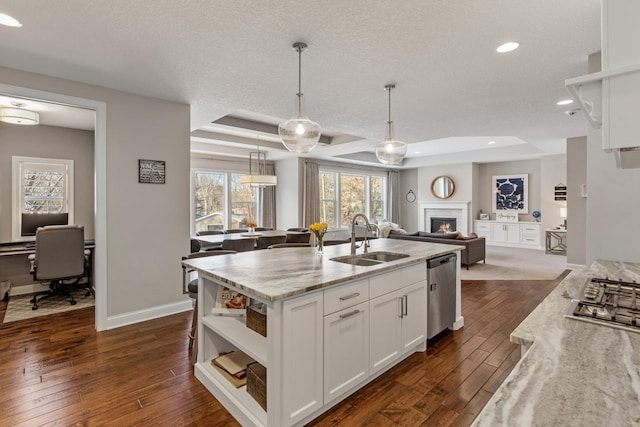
[
  {"x": 234, "y": 330},
  {"x": 205, "y": 372}
]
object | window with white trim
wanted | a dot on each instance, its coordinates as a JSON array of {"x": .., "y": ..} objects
[
  {"x": 40, "y": 186},
  {"x": 345, "y": 193}
]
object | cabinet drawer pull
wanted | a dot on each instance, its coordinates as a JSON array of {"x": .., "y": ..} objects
[
  {"x": 354, "y": 295},
  {"x": 406, "y": 305},
  {"x": 351, "y": 313}
]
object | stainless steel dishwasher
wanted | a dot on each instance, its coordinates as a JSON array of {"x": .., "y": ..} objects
[{"x": 441, "y": 296}]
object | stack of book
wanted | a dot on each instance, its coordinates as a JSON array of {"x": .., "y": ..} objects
[{"x": 233, "y": 366}]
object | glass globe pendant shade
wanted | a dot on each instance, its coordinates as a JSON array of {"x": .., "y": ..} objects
[
  {"x": 299, "y": 134},
  {"x": 391, "y": 151}
]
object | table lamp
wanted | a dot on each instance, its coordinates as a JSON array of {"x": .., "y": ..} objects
[{"x": 563, "y": 215}]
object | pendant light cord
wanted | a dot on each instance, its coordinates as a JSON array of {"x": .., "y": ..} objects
[
  {"x": 299, "y": 70},
  {"x": 389, "y": 89}
]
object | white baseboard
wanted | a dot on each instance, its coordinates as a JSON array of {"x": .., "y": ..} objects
[
  {"x": 147, "y": 314},
  {"x": 458, "y": 323},
  {"x": 576, "y": 266}
]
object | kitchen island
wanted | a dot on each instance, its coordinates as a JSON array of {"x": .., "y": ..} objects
[
  {"x": 572, "y": 373},
  {"x": 331, "y": 327}
]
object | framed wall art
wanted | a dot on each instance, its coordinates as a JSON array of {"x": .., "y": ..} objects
[
  {"x": 511, "y": 193},
  {"x": 151, "y": 171}
]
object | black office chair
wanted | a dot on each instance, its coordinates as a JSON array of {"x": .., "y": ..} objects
[
  {"x": 303, "y": 237},
  {"x": 263, "y": 242},
  {"x": 60, "y": 257},
  {"x": 238, "y": 245},
  {"x": 190, "y": 286}
]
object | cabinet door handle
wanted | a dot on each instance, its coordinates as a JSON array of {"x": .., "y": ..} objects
[
  {"x": 401, "y": 307},
  {"x": 353, "y": 295},
  {"x": 351, "y": 313},
  {"x": 406, "y": 305}
]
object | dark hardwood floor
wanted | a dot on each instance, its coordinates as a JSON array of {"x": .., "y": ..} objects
[{"x": 56, "y": 370}]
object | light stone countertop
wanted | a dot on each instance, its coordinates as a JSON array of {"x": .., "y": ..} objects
[
  {"x": 275, "y": 274},
  {"x": 574, "y": 373}
]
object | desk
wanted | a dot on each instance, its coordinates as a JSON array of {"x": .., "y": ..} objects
[
  {"x": 218, "y": 238},
  {"x": 22, "y": 248},
  {"x": 555, "y": 241}
]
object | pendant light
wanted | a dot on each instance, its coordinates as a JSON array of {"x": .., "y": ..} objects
[
  {"x": 390, "y": 151},
  {"x": 299, "y": 134},
  {"x": 19, "y": 116},
  {"x": 257, "y": 176}
]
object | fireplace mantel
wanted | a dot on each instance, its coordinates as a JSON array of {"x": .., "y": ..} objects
[{"x": 458, "y": 210}]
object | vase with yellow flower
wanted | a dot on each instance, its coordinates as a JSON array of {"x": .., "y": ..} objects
[
  {"x": 252, "y": 226},
  {"x": 319, "y": 229}
]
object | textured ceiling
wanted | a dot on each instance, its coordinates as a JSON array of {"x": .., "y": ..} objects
[{"x": 235, "y": 57}]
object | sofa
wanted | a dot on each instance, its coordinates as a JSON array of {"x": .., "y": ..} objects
[{"x": 474, "y": 247}]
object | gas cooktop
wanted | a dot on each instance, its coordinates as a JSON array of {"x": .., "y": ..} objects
[{"x": 608, "y": 302}]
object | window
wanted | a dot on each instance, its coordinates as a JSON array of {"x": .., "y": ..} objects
[
  {"x": 40, "y": 186},
  {"x": 222, "y": 202},
  {"x": 343, "y": 194}
]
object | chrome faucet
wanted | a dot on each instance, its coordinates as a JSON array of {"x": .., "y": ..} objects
[{"x": 353, "y": 233}]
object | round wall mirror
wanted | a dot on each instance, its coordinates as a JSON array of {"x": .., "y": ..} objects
[{"x": 443, "y": 187}]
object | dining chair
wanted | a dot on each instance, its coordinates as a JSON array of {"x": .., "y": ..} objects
[
  {"x": 190, "y": 286},
  {"x": 303, "y": 237},
  {"x": 238, "y": 245},
  {"x": 335, "y": 242},
  {"x": 236, "y": 230},
  {"x": 263, "y": 242},
  {"x": 263, "y": 228},
  {"x": 300, "y": 229},
  {"x": 209, "y": 232},
  {"x": 195, "y": 245}
]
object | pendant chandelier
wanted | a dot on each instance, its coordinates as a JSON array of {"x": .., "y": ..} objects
[
  {"x": 390, "y": 151},
  {"x": 257, "y": 176},
  {"x": 299, "y": 134},
  {"x": 19, "y": 116}
]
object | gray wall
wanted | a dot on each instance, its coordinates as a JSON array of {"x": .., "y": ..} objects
[
  {"x": 485, "y": 184},
  {"x": 409, "y": 210},
  {"x": 288, "y": 199},
  {"x": 576, "y": 204},
  {"x": 147, "y": 225},
  {"x": 553, "y": 171},
  {"x": 48, "y": 142}
]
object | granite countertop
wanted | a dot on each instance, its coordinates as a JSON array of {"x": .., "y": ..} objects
[
  {"x": 574, "y": 373},
  {"x": 275, "y": 274}
]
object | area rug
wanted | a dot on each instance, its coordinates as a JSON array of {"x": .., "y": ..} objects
[
  {"x": 503, "y": 263},
  {"x": 19, "y": 307}
]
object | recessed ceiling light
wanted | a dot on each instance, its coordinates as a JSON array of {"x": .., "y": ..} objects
[
  {"x": 417, "y": 152},
  {"x": 565, "y": 102},
  {"x": 9, "y": 21},
  {"x": 491, "y": 142},
  {"x": 507, "y": 47}
]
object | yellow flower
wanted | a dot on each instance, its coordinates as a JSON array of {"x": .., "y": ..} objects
[
  {"x": 318, "y": 228},
  {"x": 252, "y": 224}
]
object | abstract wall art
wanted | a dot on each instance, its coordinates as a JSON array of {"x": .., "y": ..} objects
[{"x": 511, "y": 192}]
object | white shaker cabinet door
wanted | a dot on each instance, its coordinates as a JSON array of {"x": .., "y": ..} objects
[
  {"x": 346, "y": 350},
  {"x": 302, "y": 357},
  {"x": 386, "y": 330},
  {"x": 414, "y": 316}
]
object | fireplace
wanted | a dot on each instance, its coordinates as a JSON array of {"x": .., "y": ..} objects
[
  {"x": 445, "y": 209},
  {"x": 443, "y": 225}
]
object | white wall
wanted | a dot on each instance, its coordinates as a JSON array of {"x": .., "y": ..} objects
[
  {"x": 553, "y": 171},
  {"x": 147, "y": 227}
]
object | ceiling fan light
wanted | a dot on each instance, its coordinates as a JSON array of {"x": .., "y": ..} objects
[{"x": 19, "y": 116}]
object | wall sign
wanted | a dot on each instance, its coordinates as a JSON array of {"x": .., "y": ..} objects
[
  {"x": 151, "y": 171},
  {"x": 560, "y": 192}
]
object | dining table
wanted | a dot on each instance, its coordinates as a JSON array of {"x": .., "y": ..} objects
[{"x": 218, "y": 238}]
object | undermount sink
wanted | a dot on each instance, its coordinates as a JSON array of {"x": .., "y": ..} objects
[
  {"x": 384, "y": 256},
  {"x": 373, "y": 258}
]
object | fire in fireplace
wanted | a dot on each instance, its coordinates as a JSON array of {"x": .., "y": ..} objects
[{"x": 443, "y": 225}]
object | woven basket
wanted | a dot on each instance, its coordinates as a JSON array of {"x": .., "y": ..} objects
[
  {"x": 257, "y": 383},
  {"x": 257, "y": 318}
]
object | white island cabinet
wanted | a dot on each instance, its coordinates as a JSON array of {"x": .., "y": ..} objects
[{"x": 331, "y": 327}]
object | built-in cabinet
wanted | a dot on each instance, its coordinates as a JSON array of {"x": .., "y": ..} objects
[
  {"x": 516, "y": 234},
  {"x": 321, "y": 346}
]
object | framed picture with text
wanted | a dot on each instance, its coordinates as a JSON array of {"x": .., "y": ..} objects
[{"x": 151, "y": 171}]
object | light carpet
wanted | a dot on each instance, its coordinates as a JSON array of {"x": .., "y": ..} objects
[
  {"x": 503, "y": 263},
  {"x": 19, "y": 307}
]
